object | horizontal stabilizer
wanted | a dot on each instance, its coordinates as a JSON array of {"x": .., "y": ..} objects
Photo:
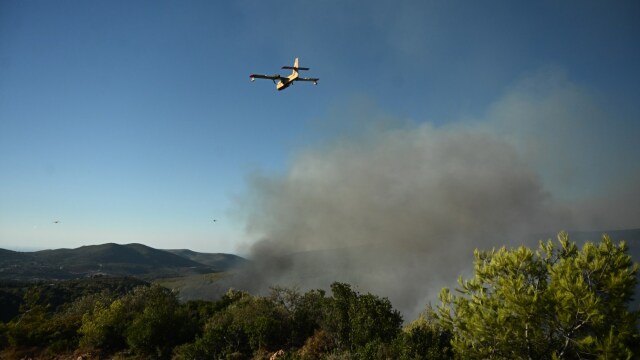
[{"x": 295, "y": 68}]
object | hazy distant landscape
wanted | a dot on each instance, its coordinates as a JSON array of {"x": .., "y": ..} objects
[
  {"x": 132, "y": 301},
  {"x": 208, "y": 276},
  {"x": 135, "y": 260}
]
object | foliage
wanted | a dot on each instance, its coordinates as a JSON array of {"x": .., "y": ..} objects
[
  {"x": 358, "y": 326},
  {"x": 14, "y": 295},
  {"x": 557, "y": 302},
  {"x": 148, "y": 320},
  {"x": 11, "y": 295},
  {"x": 52, "y": 331},
  {"x": 159, "y": 326},
  {"x": 246, "y": 325},
  {"x": 305, "y": 311},
  {"x": 30, "y": 327},
  {"x": 357, "y": 320},
  {"x": 104, "y": 327},
  {"x": 425, "y": 338}
]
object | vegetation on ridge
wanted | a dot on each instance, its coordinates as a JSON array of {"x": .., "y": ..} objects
[
  {"x": 559, "y": 302},
  {"x": 112, "y": 260}
]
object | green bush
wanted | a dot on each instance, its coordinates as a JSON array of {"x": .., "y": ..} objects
[{"x": 557, "y": 302}]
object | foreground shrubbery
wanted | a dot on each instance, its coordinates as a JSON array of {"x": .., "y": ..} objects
[
  {"x": 558, "y": 302},
  {"x": 149, "y": 322}
]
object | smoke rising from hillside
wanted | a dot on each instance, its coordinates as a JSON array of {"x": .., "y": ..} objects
[{"x": 398, "y": 211}]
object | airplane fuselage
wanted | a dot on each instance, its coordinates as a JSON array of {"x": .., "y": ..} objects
[{"x": 281, "y": 85}]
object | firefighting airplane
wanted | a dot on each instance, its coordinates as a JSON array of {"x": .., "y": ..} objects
[{"x": 285, "y": 82}]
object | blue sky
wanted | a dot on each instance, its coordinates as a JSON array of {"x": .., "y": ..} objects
[{"x": 135, "y": 121}]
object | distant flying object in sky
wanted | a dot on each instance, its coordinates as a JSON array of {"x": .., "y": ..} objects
[
  {"x": 285, "y": 82},
  {"x": 56, "y": 221}
]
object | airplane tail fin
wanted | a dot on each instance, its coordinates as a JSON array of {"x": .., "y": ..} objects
[{"x": 295, "y": 67}]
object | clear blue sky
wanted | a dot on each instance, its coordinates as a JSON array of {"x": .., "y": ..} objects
[{"x": 135, "y": 121}]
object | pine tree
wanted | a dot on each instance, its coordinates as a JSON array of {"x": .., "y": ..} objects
[{"x": 557, "y": 302}]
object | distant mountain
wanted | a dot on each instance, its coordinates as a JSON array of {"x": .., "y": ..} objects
[
  {"x": 219, "y": 261},
  {"x": 10, "y": 255},
  {"x": 114, "y": 254},
  {"x": 110, "y": 259}
]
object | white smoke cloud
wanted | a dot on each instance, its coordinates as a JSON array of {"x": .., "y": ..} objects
[
  {"x": 398, "y": 211},
  {"x": 585, "y": 151}
]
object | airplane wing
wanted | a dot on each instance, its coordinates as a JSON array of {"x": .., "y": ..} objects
[
  {"x": 270, "y": 77},
  {"x": 315, "y": 80}
]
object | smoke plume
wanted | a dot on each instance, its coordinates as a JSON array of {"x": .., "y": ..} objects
[{"x": 398, "y": 211}]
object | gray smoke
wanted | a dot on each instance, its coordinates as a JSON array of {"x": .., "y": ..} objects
[{"x": 398, "y": 211}]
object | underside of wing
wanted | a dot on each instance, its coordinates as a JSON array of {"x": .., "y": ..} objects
[
  {"x": 315, "y": 80},
  {"x": 270, "y": 77}
]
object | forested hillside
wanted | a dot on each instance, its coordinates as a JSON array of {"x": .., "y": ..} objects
[
  {"x": 560, "y": 300},
  {"x": 110, "y": 259}
]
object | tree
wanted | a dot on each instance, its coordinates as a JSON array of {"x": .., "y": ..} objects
[
  {"x": 38, "y": 326},
  {"x": 361, "y": 322},
  {"x": 51, "y": 314},
  {"x": 149, "y": 320},
  {"x": 33, "y": 327},
  {"x": 306, "y": 311},
  {"x": 425, "y": 338},
  {"x": 104, "y": 328},
  {"x": 556, "y": 302},
  {"x": 159, "y": 326},
  {"x": 247, "y": 325}
]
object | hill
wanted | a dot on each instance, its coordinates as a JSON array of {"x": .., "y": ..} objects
[
  {"x": 219, "y": 261},
  {"x": 114, "y": 254},
  {"x": 110, "y": 259}
]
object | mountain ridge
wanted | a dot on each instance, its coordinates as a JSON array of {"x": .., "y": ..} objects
[
  {"x": 221, "y": 260},
  {"x": 109, "y": 259}
]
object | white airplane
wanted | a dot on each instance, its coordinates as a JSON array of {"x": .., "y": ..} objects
[{"x": 285, "y": 82}]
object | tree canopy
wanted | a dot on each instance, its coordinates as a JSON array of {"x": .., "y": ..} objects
[{"x": 556, "y": 302}]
